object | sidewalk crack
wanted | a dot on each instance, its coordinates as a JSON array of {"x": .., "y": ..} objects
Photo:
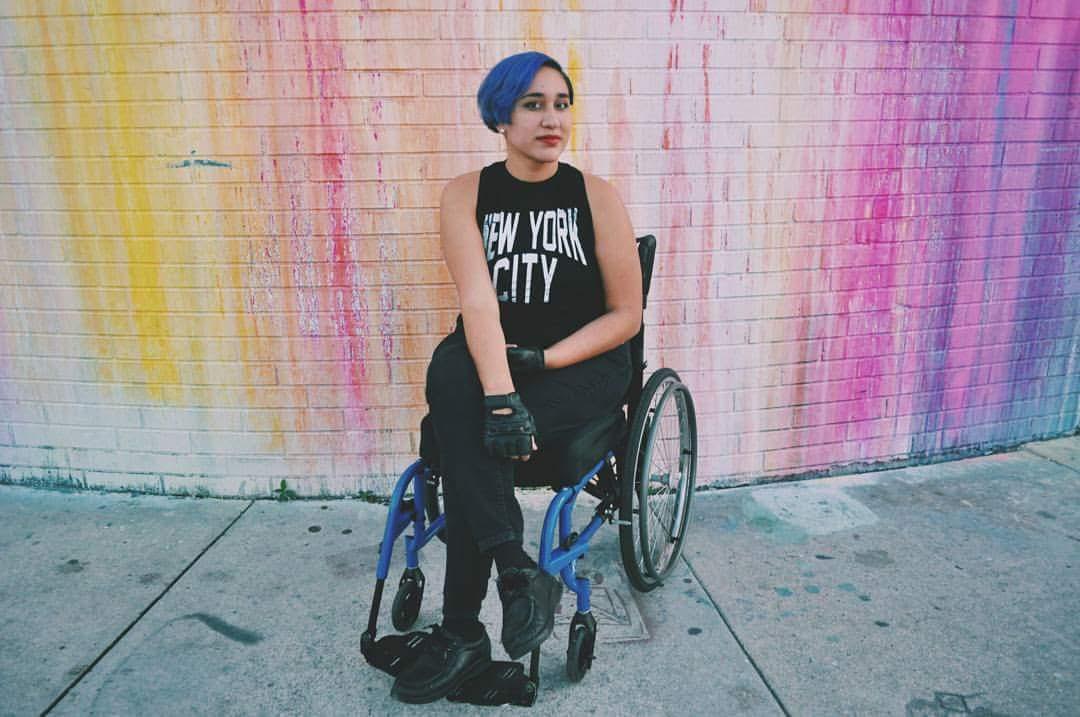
[
  {"x": 738, "y": 641},
  {"x": 1034, "y": 452},
  {"x": 123, "y": 633}
]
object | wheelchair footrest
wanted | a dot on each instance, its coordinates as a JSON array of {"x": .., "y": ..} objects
[{"x": 501, "y": 683}]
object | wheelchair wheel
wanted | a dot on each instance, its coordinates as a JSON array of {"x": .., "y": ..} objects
[
  {"x": 657, "y": 480},
  {"x": 579, "y": 651},
  {"x": 410, "y": 594}
]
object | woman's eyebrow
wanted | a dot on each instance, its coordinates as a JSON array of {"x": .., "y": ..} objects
[{"x": 541, "y": 95}]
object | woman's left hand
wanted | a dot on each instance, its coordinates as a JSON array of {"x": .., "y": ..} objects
[{"x": 524, "y": 359}]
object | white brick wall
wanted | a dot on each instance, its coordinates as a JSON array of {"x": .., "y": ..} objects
[{"x": 218, "y": 256}]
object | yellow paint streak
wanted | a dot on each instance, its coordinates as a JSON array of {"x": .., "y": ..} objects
[
  {"x": 80, "y": 224},
  {"x": 573, "y": 68},
  {"x": 106, "y": 133},
  {"x": 133, "y": 199},
  {"x": 534, "y": 29}
]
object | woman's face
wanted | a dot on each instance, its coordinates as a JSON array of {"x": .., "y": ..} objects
[{"x": 540, "y": 122}]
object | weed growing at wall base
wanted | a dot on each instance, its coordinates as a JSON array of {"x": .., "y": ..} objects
[{"x": 284, "y": 493}]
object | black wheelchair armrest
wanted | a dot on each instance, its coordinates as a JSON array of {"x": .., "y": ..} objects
[
  {"x": 646, "y": 247},
  {"x": 429, "y": 446}
]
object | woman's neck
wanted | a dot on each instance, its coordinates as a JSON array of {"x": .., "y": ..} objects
[{"x": 528, "y": 170}]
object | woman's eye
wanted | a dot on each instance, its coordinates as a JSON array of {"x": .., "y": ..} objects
[{"x": 562, "y": 105}]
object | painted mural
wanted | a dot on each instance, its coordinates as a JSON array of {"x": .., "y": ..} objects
[{"x": 218, "y": 235}]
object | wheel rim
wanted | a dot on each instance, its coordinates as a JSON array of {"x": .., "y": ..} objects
[
  {"x": 634, "y": 480},
  {"x": 639, "y": 555},
  {"x": 665, "y": 480}
]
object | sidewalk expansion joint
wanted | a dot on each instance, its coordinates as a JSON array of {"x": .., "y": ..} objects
[
  {"x": 108, "y": 648},
  {"x": 1052, "y": 460},
  {"x": 738, "y": 641}
]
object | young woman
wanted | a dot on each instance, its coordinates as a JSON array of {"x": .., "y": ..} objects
[{"x": 549, "y": 284}]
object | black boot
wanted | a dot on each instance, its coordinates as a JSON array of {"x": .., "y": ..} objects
[
  {"x": 446, "y": 662},
  {"x": 529, "y": 597}
]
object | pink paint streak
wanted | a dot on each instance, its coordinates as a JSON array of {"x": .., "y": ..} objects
[{"x": 325, "y": 67}]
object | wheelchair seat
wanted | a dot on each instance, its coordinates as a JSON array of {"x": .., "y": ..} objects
[{"x": 560, "y": 462}]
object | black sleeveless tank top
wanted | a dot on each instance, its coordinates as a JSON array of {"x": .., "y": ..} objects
[{"x": 541, "y": 253}]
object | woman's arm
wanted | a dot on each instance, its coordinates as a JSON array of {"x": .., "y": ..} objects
[
  {"x": 620, "y": 270},
  {"x": 463, "y": 249}
]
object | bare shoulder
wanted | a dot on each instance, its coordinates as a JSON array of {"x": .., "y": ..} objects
[
  {"x": 599, "y": 187},
  {"x": 604, "y": 199},
  {"x": 461, "y": 189}
]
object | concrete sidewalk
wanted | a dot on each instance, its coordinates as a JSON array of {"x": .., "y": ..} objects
[{"x": 937, "y": 590}]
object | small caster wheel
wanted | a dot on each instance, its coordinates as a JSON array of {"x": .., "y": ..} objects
[
  {"x": 410, "y": 594},
  {"x": 579, "y": 652},
  {"x": 528, "y": 695}
]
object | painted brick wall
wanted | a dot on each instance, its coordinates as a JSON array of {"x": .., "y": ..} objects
[{"x": 219, "y": 267}]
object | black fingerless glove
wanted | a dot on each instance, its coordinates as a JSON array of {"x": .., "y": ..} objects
[
  {"x": 525, "y": 360},
  {"x": 511, "y": 434}
]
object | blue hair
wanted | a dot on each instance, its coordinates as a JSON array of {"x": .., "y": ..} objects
[{"x": 507, "y": 81}]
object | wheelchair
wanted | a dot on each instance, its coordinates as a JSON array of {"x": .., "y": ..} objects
[{"x": 640, "y": 464}]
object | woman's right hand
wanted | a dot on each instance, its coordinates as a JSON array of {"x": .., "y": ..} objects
[{"x": 509, "y": 429}]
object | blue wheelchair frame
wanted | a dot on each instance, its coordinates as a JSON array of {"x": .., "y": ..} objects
[
  {"x": 555, "y": 559},
  {"x": 416, "y": 475}
]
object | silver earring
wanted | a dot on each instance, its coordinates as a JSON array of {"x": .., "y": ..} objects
[{"x": 502, "y": 130}]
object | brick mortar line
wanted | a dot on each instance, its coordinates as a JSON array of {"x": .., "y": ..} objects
[
  {"x": 449, "y": 10},
  {"x": 144, "y": 611},
  {"x": 178, "y": 182},
  {"x": 171, "y": 101},
  {"x": 743, "y": 121}
]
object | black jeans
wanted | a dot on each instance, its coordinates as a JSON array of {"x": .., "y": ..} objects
[{"x": 478, "y": 489}]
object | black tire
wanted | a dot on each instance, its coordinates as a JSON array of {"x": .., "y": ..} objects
[
  {"x": 670, "y": 452},
  {"x": 629, "y": 498},
  {"x": 407, "y": 601},
  {"x": 579, "y": 652},
  {"x": 433, "y": 504},
  {"x": 654, "y": 509}
]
